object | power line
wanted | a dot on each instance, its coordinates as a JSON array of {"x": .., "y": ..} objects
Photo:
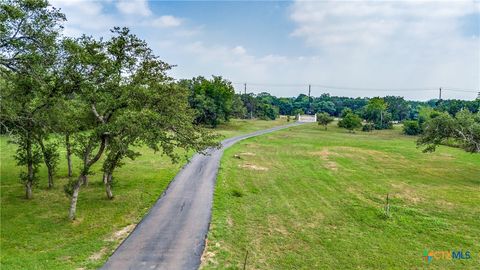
[{"x": 450, "y": 89}]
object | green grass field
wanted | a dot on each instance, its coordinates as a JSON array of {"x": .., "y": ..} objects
[
  {"x": 36, "y": 234},
  {"x": 305, "y": 198}
]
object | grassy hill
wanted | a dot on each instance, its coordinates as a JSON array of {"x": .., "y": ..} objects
[{"x": 305, "y": 198}]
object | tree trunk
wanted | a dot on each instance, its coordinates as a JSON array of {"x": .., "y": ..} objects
[
  {"x": 69, "y": 154},
  {"x": 73, "y": 203},
  {"x": 49, "y": 169},
  {"x": 105, "y": 178},
  {"x": 108, "y": 186},
  {"x": 84, "y": 180},
  {"x": 28, "y": 190},
  {"x": 30, "y": 176},
  {"x": 50, "y": 177}
]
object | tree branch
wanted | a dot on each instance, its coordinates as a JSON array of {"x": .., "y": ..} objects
[{"x": 99, "y": 117}]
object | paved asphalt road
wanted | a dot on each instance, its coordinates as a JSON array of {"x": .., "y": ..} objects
[{"x": 172, "y": 235}]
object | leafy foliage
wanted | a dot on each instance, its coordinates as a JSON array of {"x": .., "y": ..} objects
[
  {"x": 126, "y": 91},
  {"x": 351, "y": 122},
  {"x": 29, "y": 59},
  {"x": 211, "y": 99},
  {"x": 411, "y": 127},
  {"x": 376, "y": 112},
  {"x": 464, "y": 128},
  {"x": 324, "y": 119}
]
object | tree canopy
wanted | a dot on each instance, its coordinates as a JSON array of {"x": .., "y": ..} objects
[{"x": 463, "y": 129}]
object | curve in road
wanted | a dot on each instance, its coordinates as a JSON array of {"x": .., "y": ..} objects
[{"x": 172, "y": 235}]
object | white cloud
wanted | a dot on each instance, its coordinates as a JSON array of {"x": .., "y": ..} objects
[
  {"x": 239, "y": 50},
  {"x": 167, "y": 21},
  {"x": 390, "y": 44},
  {"x": 347, "y": 23},
  {"x": 134, "y": 7},
  {"x": 85, "y": 17},
  {"x": 359, "y": 44}
]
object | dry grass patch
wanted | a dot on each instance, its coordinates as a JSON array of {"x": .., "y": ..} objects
[
  {"x": 253, "y": 167},
  {"x": 208, "y": 256},
  {"x": 123, "y": 233},
  {"x": 98, "y": 255},
  {"x": 406, "y": 193},
  {"x": 247, "y": 154}
]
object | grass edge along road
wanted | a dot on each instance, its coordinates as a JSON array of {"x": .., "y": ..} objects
[
  {"x": 36, "y": 234},
  {"x": 305, "y": 198}
]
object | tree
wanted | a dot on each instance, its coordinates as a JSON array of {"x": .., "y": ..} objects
[
  {"x": 238, "y": 108},
  {"x": 266, "y": 111},
  {"x": 325, "y": 106},
  {"x": 29, "y": 57},
  {"x": 324, "y": 119},
  {"x": 351, "y": 122},
  {"x": 464, "y": 129},
  {"x": 345, "y": 112},
  {"x": 250, "y": 103},
  {"x": 375, "y": 112},
  {"x": 285, "y": 106},
  {"x": 398, "y": 107},
  {"x": 130, "y": 101},
  {"x": 211, "y": 99}
]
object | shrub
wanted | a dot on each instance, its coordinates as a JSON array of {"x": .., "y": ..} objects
[
  {"x": 351, "y": 122},
  {"x": 411, "y": 127},
  {"x": 324, "y": 119}
]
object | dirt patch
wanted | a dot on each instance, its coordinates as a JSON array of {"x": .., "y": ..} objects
[
  {"x": 360, "y": 195},
  {"x": 247, "y": 154},
  {"x": 275, "y": 226},
  {"x": 66, "y": 258},
  {"x": 207, "y": 256},
  {"x": 446, "y": 156},
  {"x": 229, "y": 221},
  {"x": 121, "y": 234},
  {"x": 253, "y": 167},
  {"x": 324, "y": 154},
  {"x": 98, "y": 255},
  {"x": 445, "y": 204},
  {"x": 358, "y": 154},
  {"x": 331, "y": 166},
  {"x": 406, "y": 193}
]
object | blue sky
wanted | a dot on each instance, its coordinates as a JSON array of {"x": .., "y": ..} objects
[{"x": 360, "y": 48}]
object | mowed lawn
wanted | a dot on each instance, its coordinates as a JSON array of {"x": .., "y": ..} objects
[
  {"x": 36, "y": 234},
  {"x": 305, "y": 198}
]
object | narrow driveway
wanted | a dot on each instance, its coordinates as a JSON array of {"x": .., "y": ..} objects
[{"x": 172, "y": 235}]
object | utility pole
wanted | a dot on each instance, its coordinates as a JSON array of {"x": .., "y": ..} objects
[
  {"x": 440, "y": 94},
  {"x": 309, "y": 99},
  {"x": 245, "y": 88}
]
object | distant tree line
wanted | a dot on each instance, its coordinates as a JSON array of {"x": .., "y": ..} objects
[{"x": 215, "y": 101}]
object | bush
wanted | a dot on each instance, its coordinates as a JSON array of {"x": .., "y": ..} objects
[
  {"x": 324, "y": 119},
  {"x": 411, "y": 127},
  {"x": 351, "y": 122},
  {"x": 368, "y": 127}
]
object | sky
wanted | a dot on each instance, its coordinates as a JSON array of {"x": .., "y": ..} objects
[{"x": 345, "y": 48}]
